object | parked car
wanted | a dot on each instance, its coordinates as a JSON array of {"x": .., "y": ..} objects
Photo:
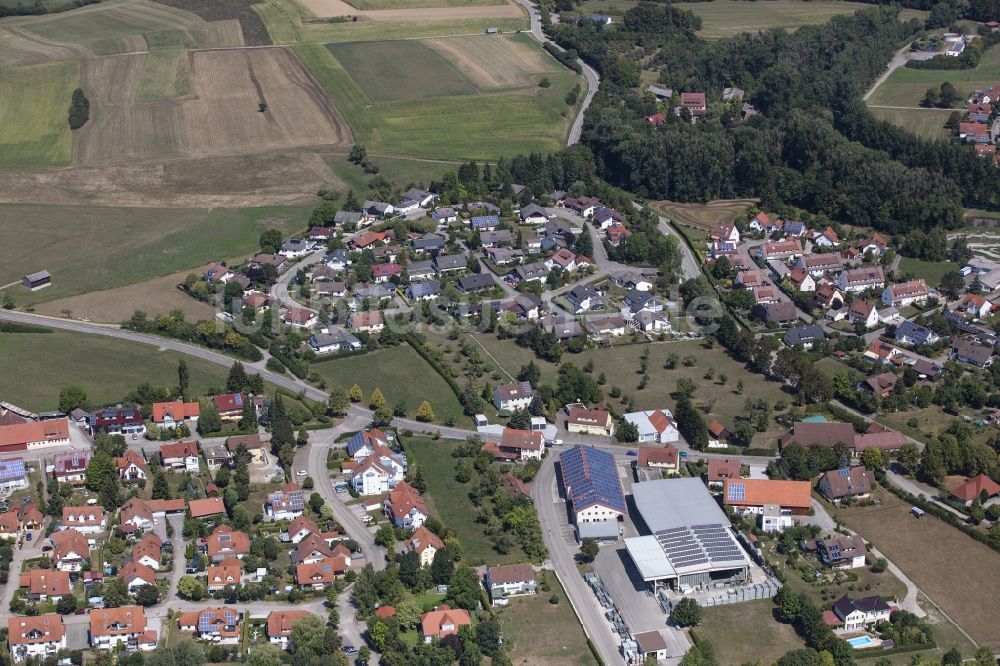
[
  {"x": 349, "y": 649},
  {"x": 632, "y": 452}
]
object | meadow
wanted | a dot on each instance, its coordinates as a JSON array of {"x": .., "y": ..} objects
[
  {"x": 410, "y": 4},
  {"x": 106, "y": 368},
  {"x": 928, "y": 123},
  {"x": 400, "y": 171},
  {"x": 563, "y": 642},
  {"x": 34, "y": 101},
  {"x": 91, "y": 248},
  {"x": 932, "y": 271},
  {"x": 760, "y": 634},
  {"x": 906, "y": 87}
]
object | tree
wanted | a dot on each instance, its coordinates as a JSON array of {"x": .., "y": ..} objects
[
  {"x": 147, "y": 595},
  {"x": 109, "y": 497},
  {"x": 161, "y": 489},
  {"x": 72, "y": 397},
  {"x": 316, "y": 503},
  {"x": 873, "y": 459},
  {"x": 408, "y": 614},
  {"x": 66, "y": 605},
  {"x": 307, "y": 634},
  {"x": 377, "y": 400},
  {"x": 339, "y": 401},
  {"x": 529, "y": 373},
  {"x": 931, "y": 98},
  {"x": 271, "y": 241},
  {"x": 686, "y": 613},
  {"x": 948, "y": 95},
  {"x": 191, "y": 588},
  {"x": 189, "y": 653},
  {"x": 248, "y": 416},
  {"x": 183, "y": 379},
  {"x": 425, "y": 413},
  {"x": 628, "y": 432},
  {"x": 584, "y": 243},
  {"x": 115, "y": 593},
  {"x": 265, "y": 654},
  {"x": 101, "y": 467},
  {"x": 952, "y": 284},
  {"x": 208, "y": 420},
  {"x": 356, "y": 395},
  {"x": 908, "y": 456},
  {"x": 464, "y": 587},
  {"x": 385, "y": 536},
  {"x": 364, "y": 655},
  {"x": 589, "y": 549},
  {"x": 952, "y": 657},
  {"x": 442, "y": 566}
]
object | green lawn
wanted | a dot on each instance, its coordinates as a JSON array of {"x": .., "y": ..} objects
[
  {"x": 906, "y": 87},
  {"x": 106, "y": 368},
  {"x": 397, "y": 170},
  {"x": 449, "y": 500},
  {"x": 761, "y": 635},
  {"x": 928, "y": 123},
  {"x": 929, "y": 270},
  {"x": 481, "y": 126},
  {"x": 831, "y": 367},
  {"x": 34, "y": 103},
  {"x": 401, "y": 374},
  {"x": 92, "y": 248},
  {"x": 537, "y": 632}
]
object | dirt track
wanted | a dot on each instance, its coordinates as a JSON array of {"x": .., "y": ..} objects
[{"x": 329, "y": 8}]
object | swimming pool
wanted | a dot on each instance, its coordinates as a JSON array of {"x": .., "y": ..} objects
[{"x": 859, "y": 642}]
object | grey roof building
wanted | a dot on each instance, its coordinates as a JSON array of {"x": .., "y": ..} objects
[{"x": 475, "y": 282}]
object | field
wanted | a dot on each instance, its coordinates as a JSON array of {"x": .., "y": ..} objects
[
  {"x": 928, "y": 123},
  {"x": 166, "y": 74},
  {"x": 932, "y": 271},
  {"x": 562, "y": 643},
  {"x": 703, "y": 217},
  {"x": 107, "y": 369},
  {"x": 33, "y": 109},
  {"x": 401, "y": 374},
  {"x": 761, "y": 635},
  {"x": 253, "y": 31},
  {"x": 88, "y": 248},
  {"x": 502, "y": 118},
  {"x": 400, "y": 4},
  {"x": 225, "y": 116},
  {"x": 725, "y": 18},
  {"x": 906, "y": 87},
  {"x": 399, "y": 170},
  {"x": 942, "y": 561},
  {"x": 406, "y": 12},
  {"x": 449, "y": 500}
]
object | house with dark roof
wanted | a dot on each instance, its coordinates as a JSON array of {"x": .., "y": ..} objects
[
  {"x": 424, "y": 291},
  {"x": 583, "y": 298},
  {"x": 512, "y": 397},
  {"x": 841, "y": 551},
  {"x": 450, "y": 263},
  {"x": 966, "y": 351},
  {"x": 905, "y": 293},
  {"x": 507, "y": 581},
  {"x": 592, "y": 486},
  {"x": 852, "y": 481},
  {"x": 880, "y": 385},
  {"x": 804, "y": 335},
  {"x": 858, "y": 614},
  {"x": 809, "y": 433},
  {"x": 333, "y": 339},
  {"x": 469, "y": 284},
  {"x": 908, "y": 333},
  {"x": 780, "y": 313}
]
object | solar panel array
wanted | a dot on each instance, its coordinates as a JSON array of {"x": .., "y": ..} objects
[
  {"x": 295, "y": 500},
  {"x": 592, "y": 477},
  {"x": 208, "y": 618},
  {"x": 698, "y": 544},
  {"x": 11, "y": 469},
  {"x": 735, "y": 492}
]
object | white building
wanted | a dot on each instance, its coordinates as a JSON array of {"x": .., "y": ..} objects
[
  {"x": 655, "y": 425},
  {"x": 35, "y": 636},
  {"x": 512, "y": 397}
]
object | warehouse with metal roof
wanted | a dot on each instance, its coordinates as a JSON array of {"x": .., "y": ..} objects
[
  {"x": 690, "y": 543},
  {"x": 591, "y": 483}
]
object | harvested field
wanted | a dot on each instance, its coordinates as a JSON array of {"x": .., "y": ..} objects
[
  {"x": 506, "y": 61},
  {"x": 703, "y": 216},
  {"x": 401, "y": 70},
  {"x": 254, "y": 32},
  {"x": 19, "y": 46},
  {"x": 949, "y": 566},
  {"x": 165, "y": 75},
  {"x": 232, "y": 181},
  {"x": 409, "y": 12},
  {"x": 401, "y": 4},
  {"x": 33, "y": 107},
  {"x": 113, "y": 27}
]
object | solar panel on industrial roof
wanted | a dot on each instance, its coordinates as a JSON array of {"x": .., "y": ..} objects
[
  {"x": 11, "y": 469},
  {"x": 592, "y": 477},
  {"x": 736, "y": 492}
]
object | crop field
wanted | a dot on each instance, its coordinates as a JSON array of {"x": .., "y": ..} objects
[
  {"x": 500, "y": 63},
  {"x": 928, "y": 123},
  {"x": 33, "y": 109},
  {"x": 401, "y": 70},
  {"x": 89, "y": 248},
  {"x": 703, "y": 217},
  {"x": 402, "y": 12},
  {"x": 253, "y": 31},
  {"x": 906, "y": 87},
  {"x": 166, "y": 74},
  {"x": 106, "y": 368},
  {"x": 940, "y": 560},
  {"x": 479, "y": 126},
  {"x": 408, "y": 4}
]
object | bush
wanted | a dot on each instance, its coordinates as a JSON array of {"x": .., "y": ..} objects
[
  {"x": 79, "y": 110},
  {"x": 554, "y": 599},
  {"x": 274, "y": 365}
]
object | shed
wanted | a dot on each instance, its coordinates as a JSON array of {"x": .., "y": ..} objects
[{"x": 36, "y": 281}]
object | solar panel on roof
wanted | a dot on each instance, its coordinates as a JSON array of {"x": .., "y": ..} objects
[
  {"x": 736, "y": 492},
  {"x": 844, "y": 472},
  {"x": 11, "y": 469}
]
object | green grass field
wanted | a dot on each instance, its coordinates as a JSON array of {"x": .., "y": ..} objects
[
  {"x": 760, "y": 634},
  {"x": 906, "y": 87},
  {"x": 400, "y": 70},
  {"x": 725, "y": 18},
  {"x": 455, "y": 127},
  {"x": 932, "y": 271},
  {"x": 92, "y": 248},
  {"x": 449, "y": 500},
  {"x": 100, "y": 29},
  {"x": 34, "y": 103},
  {"x": 928, "y": 123},
  {"x": 401, "y": 374},
  {"x": 398, "y": 170},
  {"x": 166, "y": 74},
  {"x": 106, "y": 368}
]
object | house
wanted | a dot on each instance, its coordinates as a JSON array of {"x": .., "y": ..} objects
[
  {"x": 69, "y": 550},
  {"x": 136, "y": 514},
  {"x": 469, "y": 284},
  {"x": 695, "y": 103},
  {"x": 318, "y": 547},
  {"x": 596, "y": 421},
  {"x": 381, "y": 273},
  {"x": 420, "y": 270},
  {"x": 215, "y": 625},
  {"x": 405, "y": 507},
  {"x": 660, "y": 92},
  {"x": 826, "y": 238},
  {"x": 780, "y": 313},
  {"x": 530, "y": 272},
  {"x": 286, "y": 503},
  {"x": 229, "y": 406},
  {"x": 749, "y": 279},
  {"x": 880, "y": 385},
  {"x": 515, "y": 487},
  {"x": 828, "y": 295},
  {"x": 337, "y": 260},
  {"x": 365, "y": 442},
  {"x": 810, "y": 433},
  {"x": 377, "y": 209},
  {"x": 502, "y": 256},
  {"x": 450, "y": 263},
  {"x": 965, "y": 351},
  {"x": 38, "y": 636},
  {"x": 725, "y": 232},
  {"x": 265, "y": 259},
  {"x": 858, "y": 614},
  {"x": 36, "y": 281},
  {"x": 424, "y": 543},
  {"x": 861, "y": 279},
  {"x": 905, "y": 293},
  {"x": 137, "y": 575},
  {"x": 124, "y": 626},
  {"x": 976, "y": 488},
  {"x": 180, "y": 455},
  {"x": 605, "y": 217},
  {"x": 252, "y": 443},
  {"x": 484, "y": 222},
  {"x": 148, "y": 551},
  {"x": 488, "y": 239},
  {"x": 318, "y": 575},
  {"x": 563, "y": 259},
  {"x": 974, "y": 132},
  {"x": 347, "y": 218},
  {"x": 818, "y": 265},
  {"x": 444, "y": 215},
  {"x": 320, "y": 234},
  {"x": 801, "y": 280},
  {"x": 84, "y": 519},
  {"x": 515, "y": 444},
  {"x": 333, "y": 339},
  {"x": 369, "y": 321},
  {"x": 424, "y": 291},
  {"x": 976, "y": 305},
  {"x": 379, "y": 473},
  {"x": 636, "y": 301},
  {"x": 10, "y": 526},
  {"x": 862, "y": 311},
  {"x": 842, "y": 552},
  {"x": 225, "y": 574},
  {"x": 650, "y": 646},
  {"x": 224, "y": 543},
  {"x": 131, "y": 466},
  {"x": 749, "y": 496},
  {"x": 718, "y": 435},
  {"x": 512, "y": 397},
  {"x": 533, "y": 214},
  {"x": 366, "y": 240},
  {"x": 764, "y": 295},
  {"x": 583, "y": 298},
  {"x": 296, "y": 247},
  {"x": 204, "y": 508},
  {"x": 908, "y": 333},
  {"x": 664, "y": 458},
  {"x": 720, "y": 469},
  {"x": 508, "y": 581},
  {"x": 783, "y": 249},
  {"x": 126, "y": 421},
  {"x": 415, "y": 198},
  {"x": 854, "y": 481},
  {"x": 656, "y": 425},
  {"x": 876, "y": 244},
  {"x": 279, "y": 626},
  {"x": 442, "y": 622},
  {"x": 804, "y": 335},
  {"x": 582, "y": 206},
  {"x": 171, "y": 414},
  {"x": 616, "y": 233},
  {"x": 71, "y": 467},
  {"x": 46, "y": 584},
  {"x": 978, "y": 112},
  {"x": 562, "y": 327},
  {"x": 606, "y": 327}
]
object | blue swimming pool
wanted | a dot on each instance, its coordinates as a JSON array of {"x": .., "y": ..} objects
[{"x": 859, "y": 642}]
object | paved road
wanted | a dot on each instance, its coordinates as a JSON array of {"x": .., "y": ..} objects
[
  {"x": 351, "y": 629},
  {"x": 180, "y": 556},
  {"x": 898, "y": 60}
]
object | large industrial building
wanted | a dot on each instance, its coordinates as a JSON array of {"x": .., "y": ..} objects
[
  {"x": 690, "y": 543},
  {"x": 592, "y": 486}
]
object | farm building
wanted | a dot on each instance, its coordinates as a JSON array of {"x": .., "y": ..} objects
[
  {"x": 37, "y": 281},
  {"x": 591, "y": 484}
]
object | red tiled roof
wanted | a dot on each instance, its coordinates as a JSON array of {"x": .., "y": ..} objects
[
  {"x": 201, "y": 508},
  {"x": 177, "y": 410},
  {"x": 975, "y": 486},
  {"x": 757, "y": 492},
  {"x": 279, "y": 623}
]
